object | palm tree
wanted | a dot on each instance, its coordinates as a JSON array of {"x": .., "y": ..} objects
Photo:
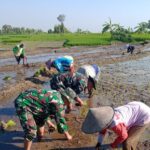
[
  {"x": 142, "y": 27},
  {"x": 118, "y": 28},
  {"x": 108, "y": 26},
  {"x": 61, "y": 18},
  {"x": 129, "y": 29}
]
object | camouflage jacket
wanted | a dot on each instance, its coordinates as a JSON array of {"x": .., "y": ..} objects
[
  {"x": 77, "y": 82},
  {"x": 42, "y": 104}
]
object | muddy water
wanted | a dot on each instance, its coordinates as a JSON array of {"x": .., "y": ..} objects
[
  {"x": 46, "y": 56},
  {"x": 7, "y": 110},
  {"x": 4, "y": 83},
  {"x": 129, "y": 72},
  {"x": 135, "y": 72},
  {"x": 15, "y": 76},
  {"x": 25, "y": 72}
]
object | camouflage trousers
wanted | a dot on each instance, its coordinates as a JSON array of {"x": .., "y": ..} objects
[{"x": 28, "y": 122}]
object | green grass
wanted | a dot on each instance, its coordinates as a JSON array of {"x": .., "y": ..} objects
[
  {"x": 73, "y": 39},
  {"x": 70, "y": 39},
  {"x": 141, "y": 37}
]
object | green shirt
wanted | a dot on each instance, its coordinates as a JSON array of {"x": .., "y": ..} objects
[{"x": 18, "y": 51}]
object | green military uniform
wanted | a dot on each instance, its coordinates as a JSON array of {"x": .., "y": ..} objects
[
  {"x": 69, "y": 84},
  {"x": 33, "y": 108}
]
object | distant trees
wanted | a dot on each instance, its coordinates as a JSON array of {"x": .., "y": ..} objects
[
  {"x": 61, "y": 18},
  {"x": 59, "y": 28},
  {"x": 82, "y": 31},
  {"x": 143, "y": 27},
  {"x": 121, "y": 34},
  {"x": 79, "y": 30},
  {"x": 117, "y": 32},
  {"x": 108, "y": 27},
  {"x": 50, "y": 31},
  {"x": 8, "y": 29}
]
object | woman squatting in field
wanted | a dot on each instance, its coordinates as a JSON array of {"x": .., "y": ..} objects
[{"x": 127, "y": 121}]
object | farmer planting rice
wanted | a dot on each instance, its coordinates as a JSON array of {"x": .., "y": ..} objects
[
  {"x": 127, "y": 121},
  {"x": 75, "y": 83},
  {"x": 92, "y": 72},
  {"x": 130, "y": 48},
  {"x": 19, "y": 53},
  {"x": 34, "y": 107},
  {"x": 61, "y": 64}
]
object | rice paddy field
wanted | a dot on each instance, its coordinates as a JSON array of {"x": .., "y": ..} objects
[
  {"x": 124, "y": 78},
  {"x": 70, "y": 39}
]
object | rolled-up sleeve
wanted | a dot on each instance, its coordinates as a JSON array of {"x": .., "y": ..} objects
[{"x": 121, "y": 131}]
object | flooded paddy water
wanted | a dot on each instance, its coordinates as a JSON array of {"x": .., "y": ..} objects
[{"x": 124, "y": 78}]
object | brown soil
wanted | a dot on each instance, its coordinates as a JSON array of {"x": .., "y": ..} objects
[{"x": 111, "y": 90}]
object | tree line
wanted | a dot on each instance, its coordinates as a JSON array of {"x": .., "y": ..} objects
[
  {"x": 8, "y": 29},
  {"x": 116, "y": 30}
]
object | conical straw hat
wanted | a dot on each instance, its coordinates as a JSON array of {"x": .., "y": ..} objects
[{"x": 97, "y": 119}]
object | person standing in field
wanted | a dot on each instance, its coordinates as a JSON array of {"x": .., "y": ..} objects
[
  {"x": 19, "y": 53},
  {"x": 128, "y": 122},
  {"x": 61, "y": 64},
  {"x": 34, "y": 107}
]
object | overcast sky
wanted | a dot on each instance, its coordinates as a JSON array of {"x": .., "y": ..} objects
[{"x": 85, "y": 14}]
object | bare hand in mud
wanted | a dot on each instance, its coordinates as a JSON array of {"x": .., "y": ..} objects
[
  {"x": 69, "y": 137},
  {"x": 77, "y": 104},
  {"x": 51, "y": 129}
]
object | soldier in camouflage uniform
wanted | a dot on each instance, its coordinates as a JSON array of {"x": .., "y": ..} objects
[
  {"x": 33, "y": 108},
  {"x": 72, "y": 84}
]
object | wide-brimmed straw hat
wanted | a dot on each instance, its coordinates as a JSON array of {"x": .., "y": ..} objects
[{"x": 97, "y": 119}]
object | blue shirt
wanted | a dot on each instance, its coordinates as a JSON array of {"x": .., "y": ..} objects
[{"x": 63, "y": 64}]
